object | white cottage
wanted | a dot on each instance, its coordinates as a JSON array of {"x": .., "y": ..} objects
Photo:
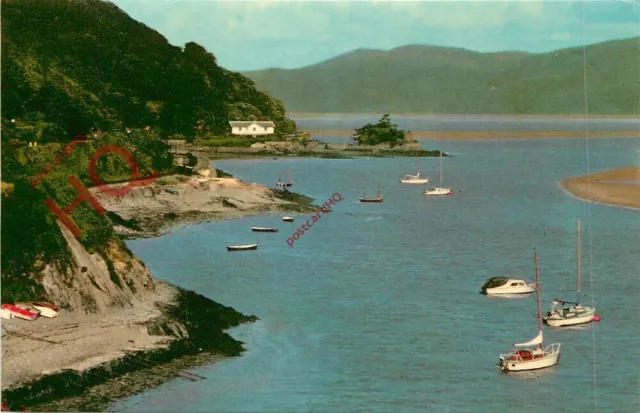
[{"x": 252, "y": 128}]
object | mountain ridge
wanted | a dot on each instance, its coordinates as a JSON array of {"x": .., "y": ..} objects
[{"x": 433, "y": 79}]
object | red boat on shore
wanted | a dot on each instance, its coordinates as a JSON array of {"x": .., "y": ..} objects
[{"x": 18, "y": 312}]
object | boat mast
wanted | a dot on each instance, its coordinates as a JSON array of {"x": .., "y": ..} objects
[
  {"x": 579, "y": 279},
  {"x": 535, "y": 258},
  {"x": 288, "y": 176},
  {"x": 379, "y": 191},
  {"x": 440, "y": 168}
]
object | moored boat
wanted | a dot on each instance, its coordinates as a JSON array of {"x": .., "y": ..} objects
[
  {"x": 414, "y": 179},
  {"x": 19, "y": 312},
  {"x": 439, "y": 190},
  {"x": 566, "y": 313},
  {"x": 248, "y": 247},
  {"x": 46, "y": 309},
  {"x": 532, "y": 355},
  {"x": 502, "y": 285},
  {"x": 288, "y": 219},
  {"x": 263, "y": 229},
  {"x": 377, "y": 199},
  {"x": 284, "y": 184}
]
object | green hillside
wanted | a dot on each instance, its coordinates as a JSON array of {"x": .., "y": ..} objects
[
  {"x": 86, "y": 67},
  {"x": 428, "y": 79},
  {"x": 69, "y": 66}
]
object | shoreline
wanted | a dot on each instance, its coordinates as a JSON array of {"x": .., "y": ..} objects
[
  {"x": 87, "y": 361},
  {"x": 492, "y": 135},
  {"x": 614, "y": 187}
]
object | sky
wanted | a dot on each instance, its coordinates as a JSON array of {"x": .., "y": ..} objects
[{"x": 253, "y": 35}]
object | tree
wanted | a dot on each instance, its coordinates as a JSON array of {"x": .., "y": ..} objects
[{"x": 382, "y": 132}]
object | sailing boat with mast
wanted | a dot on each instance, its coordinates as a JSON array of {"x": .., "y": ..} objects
[
  {"x": 566, "y": 313},
  {"x": 439, "y": 191},
  {"x": 415, "y": 179},
  {"x": 377, "y": 199},
  {"x": 531, "y": 355},
  {"x": 283, "y": 184}
]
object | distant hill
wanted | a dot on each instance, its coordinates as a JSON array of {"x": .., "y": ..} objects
[
  {"x": 428, "y": 79},
  {"x": 68, "y": 66}
]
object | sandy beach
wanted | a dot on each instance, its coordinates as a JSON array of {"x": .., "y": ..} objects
[
  {"x": 77, "y": 341},
  {"x": 490, "y": 135},
  {"x": 619, "y": 187}
]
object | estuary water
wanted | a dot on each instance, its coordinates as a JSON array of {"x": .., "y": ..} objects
[{"x": 376, "y": 308}]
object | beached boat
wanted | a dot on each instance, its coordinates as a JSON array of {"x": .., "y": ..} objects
[
  {"x": 283, "y": 184},
  {"x": 531, "y": 355},
  {"x": 19, "y": 312},
  {"x": 376, "y": 199},
  {"x": 46, "y": 309},
  {"x": 6, "y": 314},
  {"x": 502, "y": 285},
  {"x": 439, "y": 190},
  {"x": 566, "y": 313},
  {"x": 248, "y": 247},
  {"x": 263, "y": 229},
  {"x": 288, "y": 219}
]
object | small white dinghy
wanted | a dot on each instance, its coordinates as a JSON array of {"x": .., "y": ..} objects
[
  {"x": 263, "y": 229},
  {"x": 248, "y": 247},
  {"x": 509, "y": 286},
  {"x": 288, "y": 219},
  {"x": 6, "y": 314},
  {"x": 46, "y": 309}
]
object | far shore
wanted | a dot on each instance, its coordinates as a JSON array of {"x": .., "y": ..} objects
[
  {"x": 491, "y": 135},
  {"x": 520, "y": 116},
  {"x": 618, "y": 187}
]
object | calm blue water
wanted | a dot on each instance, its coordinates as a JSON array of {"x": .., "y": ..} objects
[
  {"x": 468, "y": 122},
  {"x": 380, "y": 312}
]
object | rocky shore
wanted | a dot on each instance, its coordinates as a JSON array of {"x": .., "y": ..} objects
[
  {"x": 122, "y": 331},
  {"x": 177, "y": 200}
]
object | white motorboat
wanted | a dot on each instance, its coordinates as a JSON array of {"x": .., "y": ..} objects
[
  {"x": 501, "y": 285},
  {"x": 566, "y": 313},
  {"x": 440, "y": 190},
  {"x": 531, "y": 355}
]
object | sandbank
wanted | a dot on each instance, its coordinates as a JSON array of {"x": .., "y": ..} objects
[{"x": 619, "y": 187}]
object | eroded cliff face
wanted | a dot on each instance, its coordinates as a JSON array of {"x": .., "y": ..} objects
[{"x": 94, "y": 285}]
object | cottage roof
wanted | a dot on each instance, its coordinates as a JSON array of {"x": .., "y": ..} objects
[{"x": 243, "y": 123}]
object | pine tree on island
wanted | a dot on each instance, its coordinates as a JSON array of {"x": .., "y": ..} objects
[{"x": 382, "y": 132}]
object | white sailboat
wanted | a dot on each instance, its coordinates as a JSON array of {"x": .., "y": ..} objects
[
  {"x": 415, "y": 179},
  {"x": 440, "y": 190},
  {"x": 531, "y": 355},
  {"x": 565, "y": 313}
]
